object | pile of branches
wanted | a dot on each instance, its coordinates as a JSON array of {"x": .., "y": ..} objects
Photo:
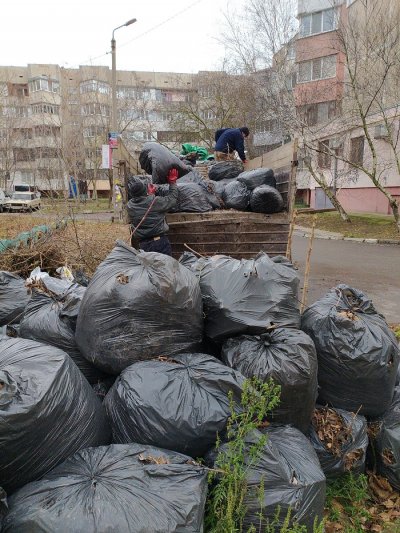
[{"x": 81, "y": 245}]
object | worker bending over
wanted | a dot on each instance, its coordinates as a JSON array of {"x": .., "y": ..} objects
[
  {"x": 147, "y": 212},
  {"x": 229, "y": 140}
]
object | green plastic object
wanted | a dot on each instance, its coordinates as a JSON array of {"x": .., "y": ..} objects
[
  {"x": 24, "y": 238},
  {"x": 188, "y": 148}
]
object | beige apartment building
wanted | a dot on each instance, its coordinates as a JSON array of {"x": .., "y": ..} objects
[{"x": 54, "y": 121}]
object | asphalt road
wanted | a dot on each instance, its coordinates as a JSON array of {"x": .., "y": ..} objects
[{"x": 372, "y": 268}]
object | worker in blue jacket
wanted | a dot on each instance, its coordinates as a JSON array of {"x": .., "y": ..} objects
[{"x": 229, "y": 140}]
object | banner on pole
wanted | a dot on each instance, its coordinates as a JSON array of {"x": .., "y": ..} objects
[{"x": 105, "y": 156}]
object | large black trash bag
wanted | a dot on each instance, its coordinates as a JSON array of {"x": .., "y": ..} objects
[
  {"x": 247, "y": 296},
  {"x": 180, "y": 403},
  {"x": 287, "y": 475},
  {"x": 120, "y": 488},
  {"x": 157, "y": 160},
  {"x": 340, "y": 440},
  {"x": 132, "y": 180},
  {"x": 192, "y": 198},
  {"x": 13, "y": 297},
  {"x": 3, "y": 507},
  {"x": 103, "y": 386},
  {"x": 48, "y": 411},
  {"x": 138, "y": 305},
  {"x": 357, "y": 352},
  {"x": 384, "y": 436},
  {"x": 266, "y": 199},
  {"x": 225, "y": 170},
  {"x": 288, "y": 357},
  {"x": 236, "y": 196},
  {"x": 51, "y": 319},
  {"x": 258, "y": 176},
  {"x": 192, "y": 177}
]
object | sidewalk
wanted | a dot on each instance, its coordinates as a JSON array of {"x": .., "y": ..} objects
[{"x": 322, "y": 234}]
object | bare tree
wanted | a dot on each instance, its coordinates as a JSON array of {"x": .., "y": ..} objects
[{"x": 252, "y": 36}]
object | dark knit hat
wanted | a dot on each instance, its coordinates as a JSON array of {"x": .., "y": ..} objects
[
  {"x": 245, "y": 130},
  {"x": 137, "y": 187}
]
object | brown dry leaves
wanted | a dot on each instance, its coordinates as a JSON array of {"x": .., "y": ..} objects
[
  {"x": 331, "y": 429},
  {"x": 81, "y": 245}
]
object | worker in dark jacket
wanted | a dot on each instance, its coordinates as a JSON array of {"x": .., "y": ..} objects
[
  {"x": 229, "y": 140},
  {"x": 147, "y": 212}
]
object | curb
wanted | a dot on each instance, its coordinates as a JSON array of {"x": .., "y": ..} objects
[{"x": 339, "y": 237}]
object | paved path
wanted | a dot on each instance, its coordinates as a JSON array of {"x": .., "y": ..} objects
[{"x": 372, "y": 268}]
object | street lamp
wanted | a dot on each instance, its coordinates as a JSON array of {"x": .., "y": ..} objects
[
  {"x": 114, "y": 74},
  {"x": 114, "y": 92}
]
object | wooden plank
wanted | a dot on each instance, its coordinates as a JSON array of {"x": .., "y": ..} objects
[
  {"x": 228, "y": 238},
  {"x": 221, "y": 248}
]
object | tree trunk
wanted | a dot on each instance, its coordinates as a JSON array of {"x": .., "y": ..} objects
[
  {"x": 394, "y": 206},
  {"x": 336, "y": 204}
]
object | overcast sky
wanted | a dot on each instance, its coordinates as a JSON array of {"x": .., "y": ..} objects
[{"x": 169, "y": 35}]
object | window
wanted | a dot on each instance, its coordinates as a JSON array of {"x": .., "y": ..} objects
[
  {"x": 93, "y": 153},
  {"x": 94, "y": 86},
  {"x": 291, "y": 81},
  {"x": 357, "y": 150},
  {"x": 24, "y": 154},
  {"x": 44, "y": 84},
  {"x": 47, "y": 152},
  {"x": 318, "y": 22},
  {"x": 18, "y": 89},
  {"x": 50, "y": 109},
  {"x": 318, "y": 113},
  {"x": 94, "y": 108},
  {"x": 16, "y": 111},
  {"x": 317, "y": 69},
  {"x": 324, "y": 157},
  {"x": 208, "y": 114},
  {"x": 47, "y": 131},
  {"x": 267, "y": 126},
  {"x": 139, "y": 135},
  {"x": 94, "y": 131},
  {"x": 24, "y": 133}
]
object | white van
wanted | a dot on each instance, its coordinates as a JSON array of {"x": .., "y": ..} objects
[{"x": 2, "y": 200}]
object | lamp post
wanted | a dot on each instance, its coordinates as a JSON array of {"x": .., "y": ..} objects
[{"x": 114, "y": 124}]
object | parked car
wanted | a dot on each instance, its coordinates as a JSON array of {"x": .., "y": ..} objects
[
  {"x": 2, "y": 200},
  {"x": 22, "y": 201}
]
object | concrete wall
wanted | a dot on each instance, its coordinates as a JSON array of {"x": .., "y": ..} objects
[{"x": 363, "y": 200}]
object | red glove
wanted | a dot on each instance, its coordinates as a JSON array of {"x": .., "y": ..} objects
[
  {"x": 245, "y": 161},
  {"x": 172, "y": 176},
  {"x": 151, "y": 189}
]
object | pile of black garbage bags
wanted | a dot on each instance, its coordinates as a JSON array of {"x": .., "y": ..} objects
[
  {"x": 111, "y": 393},
  {"x": 228, "y": 186}
]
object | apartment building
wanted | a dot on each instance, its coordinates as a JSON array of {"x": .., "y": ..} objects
[
  {"x": 54, "y": 121},
  {"x": 327, "y": 104}
]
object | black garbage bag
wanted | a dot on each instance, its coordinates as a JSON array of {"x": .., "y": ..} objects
[
  {"x": 48, "y": 411},
  {"x": 236, "y": 196},
  {"x": 138, "y": 305},
  {"x": 193, "y": 198},
  {"x": 384, "y": 436},
  {"x": 3, "y": 507},
  {"x": 131, "y": 181},
  {"x": 13, "y": 297},
  {"x": 266, "y": 199},
  {"x": 225, "y": 170},
  {"x": 157, "y": 160},
  {"x": 219, "y": 186},
  {"x": 258, "y": 176},
  {"x": 191, "y": 177},
  {"x": 247, "y": 296},
  {"x": 288, "y": 357},
  {"x": 180, "y": 403},
  {"x": 103, "y": 386},
  {"x": 287, "y": 477},
  {"x": 357, "y": 352},
  {"x": 51, "y": 319},
  {"x": 121, "y": 488},
  {"x": 340, "y": 440}
]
